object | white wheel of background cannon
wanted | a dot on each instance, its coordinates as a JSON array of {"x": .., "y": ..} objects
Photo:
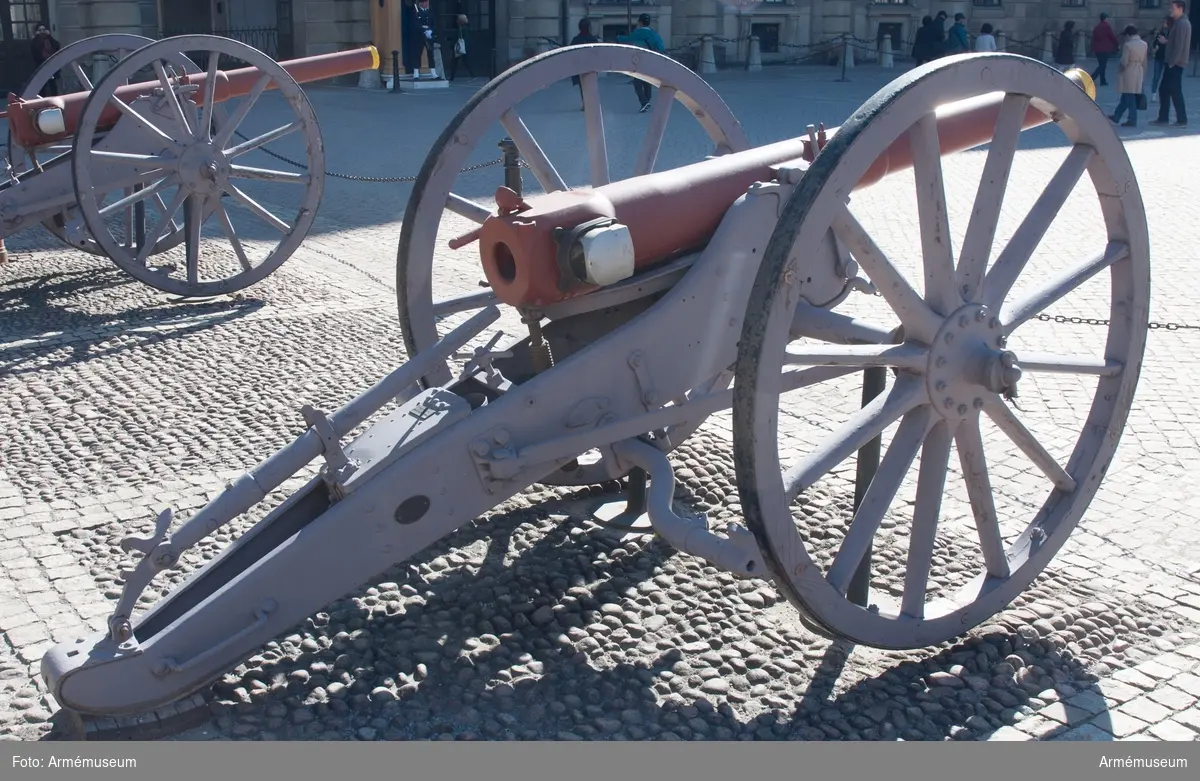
[
  {"x": 433, "y": 191},
  {"x": 185, "y": 149},
  {"x": 953, "y": 364},
  {"x": 72, "y": 62}
]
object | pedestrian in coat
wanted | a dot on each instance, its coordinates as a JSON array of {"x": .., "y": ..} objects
[
  {"x": 957, "y": 40},
  {"x": 986, "y": 42},
  {"x": 1179, "y": 42},
  {"x": 1064, "y": 51},
  {"x": 645, "y": 36},
  {"x": 584, "y": 36},
  {"x": 1104, "y": 46},
  {"x": 42, "y": 47},
  {"x": 1131, "y": 76},
  {"x": 923, "y": 42}
]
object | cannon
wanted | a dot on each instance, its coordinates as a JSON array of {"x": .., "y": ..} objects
[
  {"x": 654, "y": 302},
  {"x": 108, "y": 169}
]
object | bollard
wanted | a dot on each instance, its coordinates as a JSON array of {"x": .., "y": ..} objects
[
  {"x": 395, "y": 70},
  {"x": 874, "y": 382},
  {"x": 885, "y": 53},
  {"x": 1048, "y": 48},
  {"x": 1001, "y": 42},
  {"x": 847, "y": 57},
  {"x": 754, "y": 59},
  {"x": 708, "y": 60},
  {"x": 439, "y": 71},
  {"x": 369, "y": 79},
  {"x": 512, "y": 165},
  {"x": 100, "y": 66}
]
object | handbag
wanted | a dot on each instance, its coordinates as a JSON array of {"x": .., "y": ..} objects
[
  {"x": 1141, "y": 101},
  {"x": 460, "y": 47}
]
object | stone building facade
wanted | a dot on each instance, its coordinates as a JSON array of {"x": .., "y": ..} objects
[{"x": 508, "y": 31}]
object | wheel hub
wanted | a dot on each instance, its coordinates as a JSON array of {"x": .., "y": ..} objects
[
  {"x": 967, "y": 360},
  {"x": 203, "y": 168}
]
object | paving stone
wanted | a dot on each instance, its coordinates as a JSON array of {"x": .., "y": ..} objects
[
  {"x": 1119, "y": 723},
  {"x": 1172, "y": 730},
  {"x": 1007, "y": 733},
  {"x": 1156, "y": 670},
  {"x": 1086, "y": 732},
  {"x": 1135, "y": 678},
  {"x": 1172, "y": 698}
]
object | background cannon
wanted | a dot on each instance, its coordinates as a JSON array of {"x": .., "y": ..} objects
[
  {"x": 140, "y": 162},
  {"x": 629, "y": 350}
]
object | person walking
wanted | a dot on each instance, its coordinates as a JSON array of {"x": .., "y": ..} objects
[
  {"x": 644, "y": 36},
  {"x": 957, "y": 40},
  {"x": 1178, "y": 42},
  {"x": 1104, "y": 46},
  {"x": 1158, "y": 50},
  {"x": 584, "y": 36},
  {"x": 460, "y": 48},
  {"x": 986, "y": 42},
  {"x": 939, "y": 34},
  {"x": 1064, "y": 50},
  {"x": 923, "y": 43},
  {"x": 42, "y": 47},
  {"x": 1131, "y": 76}
]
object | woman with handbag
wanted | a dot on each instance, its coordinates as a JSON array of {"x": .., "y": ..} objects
[
  {"x": 1131, "y": 75},
  {"x": 460, "y": 48}
]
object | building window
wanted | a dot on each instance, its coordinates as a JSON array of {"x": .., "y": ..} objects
[
  {"x": 890, "y": 2},
  {"x": 768, "y": 37},
  {"x": 987, "y": 3},
  {"x": 775, "y": 2},
  {"x": 1073, "y": 3},
  {"x": 1150, "y": 3},
  {"x": 26, "y": 16}
]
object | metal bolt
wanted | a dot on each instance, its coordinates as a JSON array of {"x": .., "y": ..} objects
[
  {"x": 979, "y": 315},
  {"x": 993, "y": 324},
  {"x": 962, "y": 409},
  {"x": 949, "y": 403},
  {"x": 1001, "y": 341},
  {"x": 940, "y": 362},
  {"x": 949, "y": 338},
  {"x": 500, "y": 437},
  {"x": 480, "y": 448},
  {"x": 978, "y": 403},
  {"x": 941, "y": 386}
]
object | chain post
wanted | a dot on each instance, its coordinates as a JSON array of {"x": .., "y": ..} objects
[
  {"x": 874, "y": 382},
  {"x": 512, "y": 165},
  {"x": 395, "y": 70},
  {"x": 845, "y": 51}
]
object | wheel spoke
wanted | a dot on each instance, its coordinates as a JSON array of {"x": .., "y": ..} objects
[
  {"x": 931, "y": 481},
  {"x": 194, "y": 221},
  {"x": 84, "y": 81},
  {"x": 162, "y": 209},
  {"x": 268, "y": 174},
  {"x": 172, "y": 98},
  {"x": 469, "y": 209},
  {"x": 973, "y": 461},
  {"x": 910, "y": 357},
  {"x": 259, "y": 210},
  {"x": 1023, "y": 438},
  {"x": 260, "y": 141},
  {"x": 1016, "y": 313},
  {"x": 594, "y": 117},
  {"x": 204, "y": 132},
  {"x": 135, "y": 197},
  {"x": 655, "y": 131},
  {"x": 167, "y": 218},
  {"x": 875, "y": 503},
  {"x": 981, "y": 230},
  {"x": 1031, "y": 231},
  {"x": 1050, "y": 363},
  {"x": 133, "y": 114},
  {"x": 863, "y": 426},
  {"x": 817, "y": 323},
  {"x": 535, "y": 158},
  {"x": 128, "y": 221},
  {"x": 231, "y": 235},
  {"x": 921, "y": 322},
  {"x": 936, "y": 250},
  {"x": 464, "y": 302},
  {"x": 226, "y": 131},
  {"x": 160, "y": 162}
]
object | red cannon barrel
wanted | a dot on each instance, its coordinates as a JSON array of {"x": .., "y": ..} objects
[
  {"x": 676, "y": 210},
  {"x": 22, "y": 115}
]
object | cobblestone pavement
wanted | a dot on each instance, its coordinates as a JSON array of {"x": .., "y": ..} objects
[{"x": 532, "y": 623}]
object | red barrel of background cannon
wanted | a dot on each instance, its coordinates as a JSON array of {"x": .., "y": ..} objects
[
  {"x": 22, "y": 115},
  {"x": 675, "y": 210}
]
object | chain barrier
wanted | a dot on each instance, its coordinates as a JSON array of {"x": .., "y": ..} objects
[
  {"x": 372, "y": 179},
  {"x": 1097, "y": 321}
]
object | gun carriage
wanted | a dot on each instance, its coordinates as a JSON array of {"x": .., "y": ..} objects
[{"x": 654, "y": 302}]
